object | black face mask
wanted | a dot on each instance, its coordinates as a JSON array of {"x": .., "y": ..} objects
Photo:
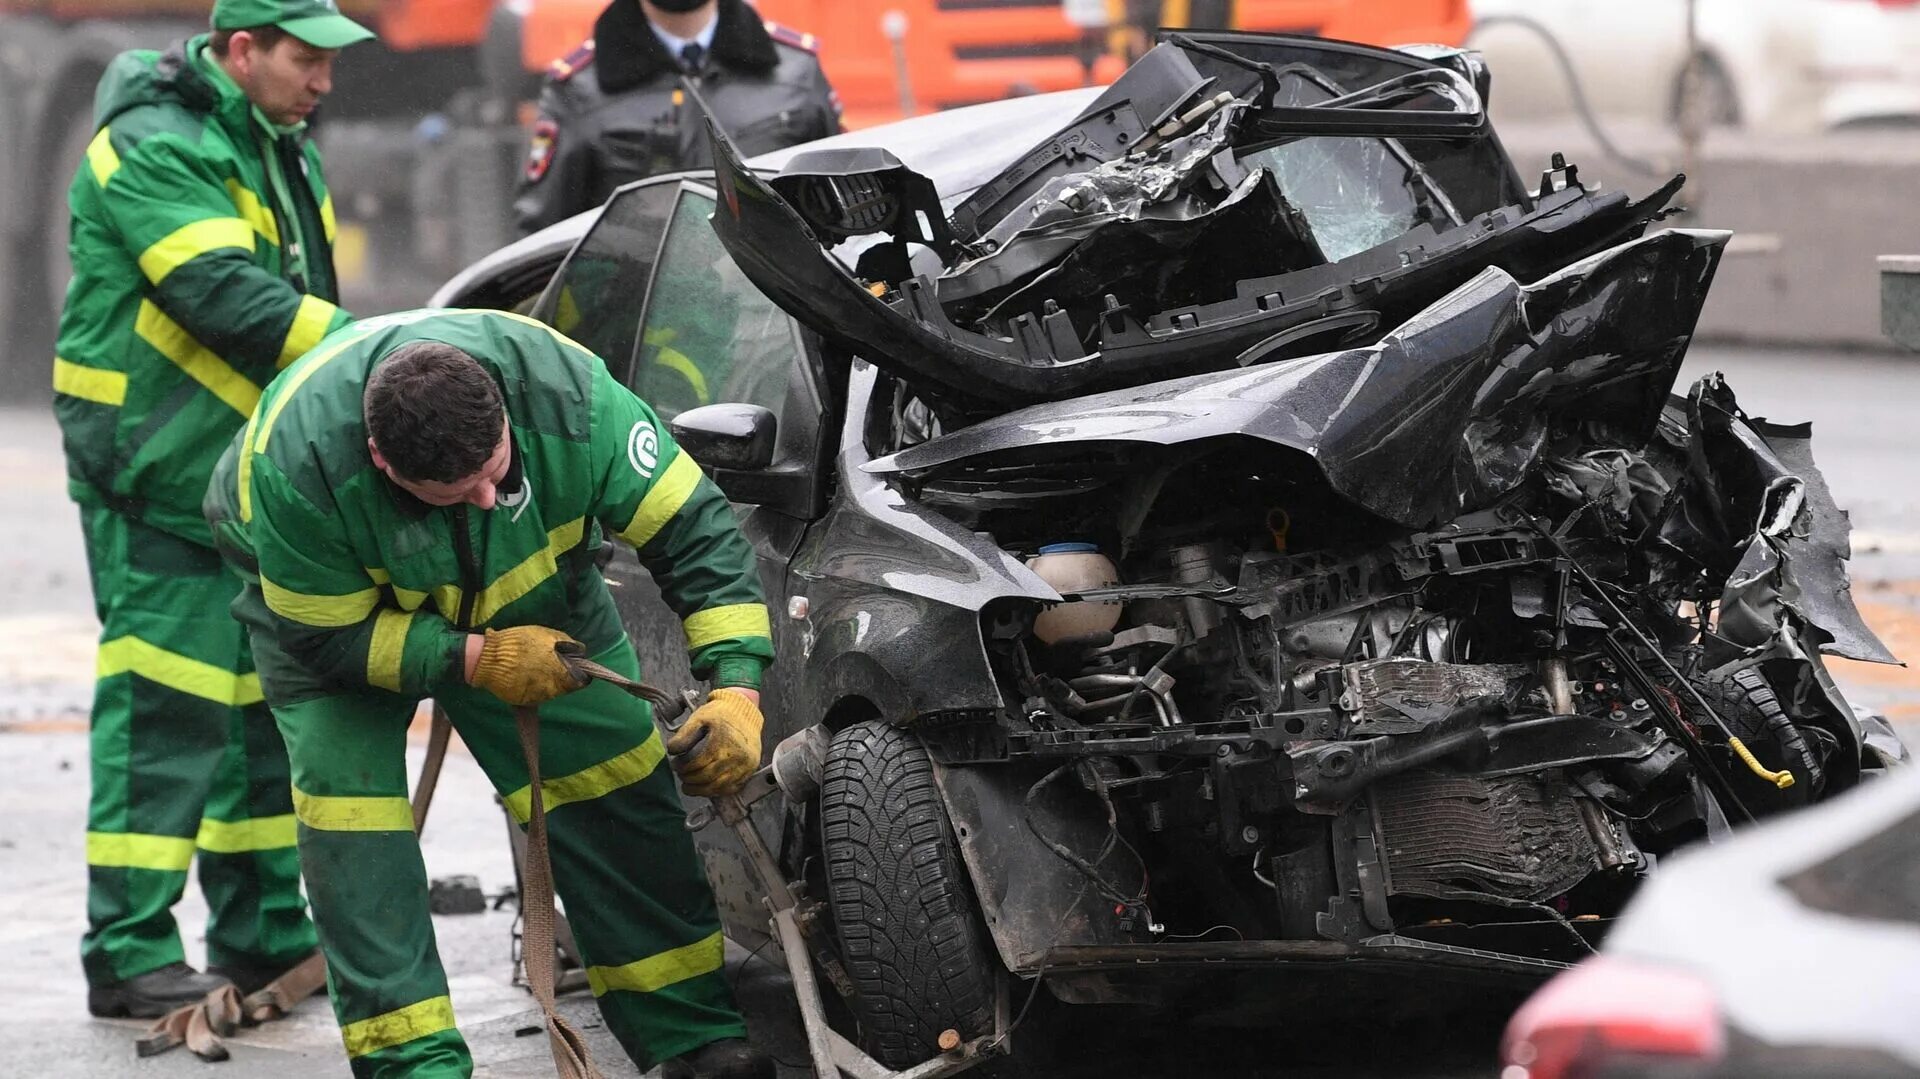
[{"x": 679, "y": 7}]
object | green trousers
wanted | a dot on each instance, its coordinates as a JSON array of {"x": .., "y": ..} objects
[
  {"x": 186, "y": 761},
  {"x": 623, "y": 863}
]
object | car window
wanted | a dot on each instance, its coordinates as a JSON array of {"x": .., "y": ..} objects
[
  {"x": 596, "y": 298},
  {"x": 709, "y": 335},
  {"x": 1354, "y": 193}
]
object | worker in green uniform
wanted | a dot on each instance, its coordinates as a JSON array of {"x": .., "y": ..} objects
[
  {"x": 201, "y": 238},
  {"x": 419, "y": 502}
]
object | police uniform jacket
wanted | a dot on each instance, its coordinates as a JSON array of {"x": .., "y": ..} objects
[{"x": 616, "y": 110}]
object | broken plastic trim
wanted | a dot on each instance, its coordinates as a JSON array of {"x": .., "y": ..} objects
[{"x": 911, "y": 337}]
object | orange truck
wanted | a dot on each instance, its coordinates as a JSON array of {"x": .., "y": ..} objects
[{"x": 424, "y": 131}]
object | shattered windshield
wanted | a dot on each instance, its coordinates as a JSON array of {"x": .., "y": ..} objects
[{"x": 1354, "y": 193}]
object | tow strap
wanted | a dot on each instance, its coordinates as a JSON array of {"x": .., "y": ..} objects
[
  {"x": 571, "y": 1058},
  {"x": 202, "y": 1025}
]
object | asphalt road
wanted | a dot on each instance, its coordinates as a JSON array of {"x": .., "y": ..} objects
[{"x": 1866, "y": 438}]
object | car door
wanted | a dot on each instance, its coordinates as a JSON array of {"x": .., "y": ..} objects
[{"x": 704, "y": 335}]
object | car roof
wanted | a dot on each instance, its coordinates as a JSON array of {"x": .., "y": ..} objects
[{"x": 958, "y": 150}]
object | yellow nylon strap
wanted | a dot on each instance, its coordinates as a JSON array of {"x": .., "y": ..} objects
[
  {"x": 245, "y": 836},
  {"x": 720, "y": 623},
  {"x": 656, "y": 972},
  {"x": 253, "y": 211},
  {"x": 529, "y": 574},
  {"x": 190, "y": 241},
  {"x": 669, "y": 492},
  {"x": 102, "y": 158},
  {"x": 327, "y": 612},
  {"x": 353, "y": 814},
  {"x": 207, "y": 681},
  {"x": 309, "y": 325},
  {"x": 127, "y": 850},
  {"x": 89, "y": 383},
  {"x": 171, "y": 340},
  {"x": 397, "y": 1027},
  {"x": 328, "y": 226},
  {"x": 587, "y": 784},
  {"x": 388, "y": 646}
]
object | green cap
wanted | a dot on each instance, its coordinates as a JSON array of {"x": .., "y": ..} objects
[{"x": 316, "y": 22}]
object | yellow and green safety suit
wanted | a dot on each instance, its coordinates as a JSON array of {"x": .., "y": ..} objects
[
  {"x": 360, "y": 605},
  {"x": 202, "y": 264}
]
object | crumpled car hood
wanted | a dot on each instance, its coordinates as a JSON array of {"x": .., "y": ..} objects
[{"x": 1446, "y": 413}]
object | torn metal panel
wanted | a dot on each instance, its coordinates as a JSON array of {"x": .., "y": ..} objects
[
  {"x": 1758, "y": 483},
  {"x": 1445, "y": 415},
  {"x": 1108, "y": 259}
]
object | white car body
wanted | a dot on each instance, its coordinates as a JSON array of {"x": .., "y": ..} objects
[{"x": 1794, "y": 66}]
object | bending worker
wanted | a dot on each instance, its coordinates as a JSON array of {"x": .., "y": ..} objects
[
  {"x": 202, "y": 260},
  {"x": 421, "y": 499}
]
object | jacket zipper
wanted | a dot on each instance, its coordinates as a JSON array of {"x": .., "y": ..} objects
[{"x": 469, "y": 568}]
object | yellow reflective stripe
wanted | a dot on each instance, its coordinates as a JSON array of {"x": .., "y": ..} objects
[
  {"x": 242, "y": 836},
  {"x": 388, "y": 645},
  {"x": 327, "y": 612},
  {"x": 243, "y": 479},
  {"x": 310, "y": 324},
  {"x": 398, "y": 1027},
  {"x": 655, "y": 972},
  {"x": 189, "y": 242},
  {"x": 354, "y": 814},
  {"x": 171, "y": 340},
  {"x": 89, "y": 383},
  {"x": 328, "y": 226},
  {"x": 534, "y": 322},
  {"x": 302, "y": 372},
  {"x": 191, "y": 676},
  {"x": 720, "y": 623},
  {"x": 127, "y": 850},
  {"x": 410, "y": 599},
  {"x": 664, "y": 499},
  {"x": 587, "y": 784},
  {"x": 566, "y": 314},
  {"x": 102, "y": 158},
  {"x": 253, "y": 211},
  {"x": 676, "y": 361},
  {"x": 529, "y": 574}
]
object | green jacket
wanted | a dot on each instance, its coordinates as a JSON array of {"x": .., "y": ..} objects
[
  {"x": 189, "y": 287},
  {"x": 368, "y": 586}
]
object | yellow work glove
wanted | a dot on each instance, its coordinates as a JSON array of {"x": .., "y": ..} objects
[
  {"x": 522, "y": 665},
  {"x": 718, "y": 749}
]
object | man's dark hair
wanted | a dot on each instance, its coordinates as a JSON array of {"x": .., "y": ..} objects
[
  {"x": 264, "y": 36},
  {"x": 433, "y": 411}
]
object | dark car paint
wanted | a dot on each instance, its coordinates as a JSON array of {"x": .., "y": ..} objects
[
  {"x": 1441, "y": 417},
  {"x": 894, "y": 592}
]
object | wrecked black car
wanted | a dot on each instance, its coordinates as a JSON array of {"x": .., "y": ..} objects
[{"x": 1246, "y": 536}]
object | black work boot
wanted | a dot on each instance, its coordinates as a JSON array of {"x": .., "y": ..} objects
[
  {"x": 153, "y": 994},
  {"x": 728, "y": 1058},
  {"x": 250, "y": 978}
]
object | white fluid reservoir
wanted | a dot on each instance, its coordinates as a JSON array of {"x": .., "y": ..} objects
[{"x": 1074, "y": 567}]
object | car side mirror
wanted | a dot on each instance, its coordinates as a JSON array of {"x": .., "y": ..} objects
[{"x": 729, "y": 436}]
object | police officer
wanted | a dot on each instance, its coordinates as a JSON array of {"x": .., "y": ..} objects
[{"x": 616, "y": 110}]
